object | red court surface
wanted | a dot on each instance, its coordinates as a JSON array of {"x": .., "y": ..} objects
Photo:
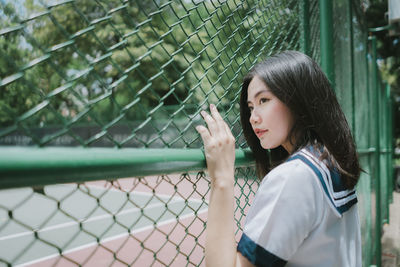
[{"x": 175, "y": 242}]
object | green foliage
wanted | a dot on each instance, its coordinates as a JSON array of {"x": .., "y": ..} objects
[
  {"x": 107, "y": 59},
  {"x": 12, "y": 59},
  {"x": 388, "y": 49}
]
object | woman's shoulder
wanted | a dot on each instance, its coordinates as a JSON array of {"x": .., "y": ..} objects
[
  {"x": 301, "y": 174},
  {"x": 292, "y": 169},
  {"x": 291, "y": 176},
  {"x": 327, "y": 179}
]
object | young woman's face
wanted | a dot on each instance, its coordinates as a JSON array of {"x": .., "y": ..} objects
[{"x": 270, "y": 119}]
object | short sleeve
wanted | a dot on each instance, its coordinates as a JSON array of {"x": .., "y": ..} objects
[{"x": 287, "y": 206}]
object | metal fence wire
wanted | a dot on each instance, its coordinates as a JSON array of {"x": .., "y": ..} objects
[
  {"x": 132, "y": 77},
  {"x": 141, "y": 221},
  {"x": 137, "y": 73}
]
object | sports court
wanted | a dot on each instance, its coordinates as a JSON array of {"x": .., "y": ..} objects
[
  {"x": 150, "y": 221},
  {"x": 72, "y": 217}
]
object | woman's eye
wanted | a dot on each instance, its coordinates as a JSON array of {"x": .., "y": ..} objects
[
  {"x": 263, "y": 100},
  {"x": 251, "y": 109}
]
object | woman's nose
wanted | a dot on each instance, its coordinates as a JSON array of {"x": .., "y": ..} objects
[{"x": 254, "y": 118}]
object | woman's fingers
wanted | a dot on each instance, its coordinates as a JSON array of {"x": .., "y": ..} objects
[
  {"x": 210, "y": 121},
  {"x": 220, "y": 121},
  {"x": 215, "y": 113},
  {"x": 204, "y": 133},
  {"x": 217, "y": 130},
  {"x": 228, "y": 130},
  {"x": 215, "y": 123},
  {"x": 219, "y": 144}
]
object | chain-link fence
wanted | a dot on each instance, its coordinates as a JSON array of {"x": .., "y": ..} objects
[
  {"x": 143, "y": 221},
  {"x": 130, "y": 74},
  {"x": 99, "y": 90}
]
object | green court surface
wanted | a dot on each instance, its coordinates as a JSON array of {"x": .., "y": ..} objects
[{"x": 34, "y": 227}]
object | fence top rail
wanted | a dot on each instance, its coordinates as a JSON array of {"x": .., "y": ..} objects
[{"x": 22, "y": 166}]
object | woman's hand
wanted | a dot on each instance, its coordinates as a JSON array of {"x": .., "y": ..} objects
[{"x": 219, "y": 146}]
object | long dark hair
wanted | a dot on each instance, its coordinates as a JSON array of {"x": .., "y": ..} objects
[{"x": 301, "y": 85}]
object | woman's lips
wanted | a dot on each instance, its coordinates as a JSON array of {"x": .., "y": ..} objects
[{"x": 260, "y": 132}]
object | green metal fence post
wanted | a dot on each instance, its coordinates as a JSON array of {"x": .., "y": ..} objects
[
  {"x": 390, "y": 142},
  {"x": 370, "y": 253},
  {"x": 378, "y": 230},
  {"x": 384, "y": 151},
  {"x": 326, "y": 35},
  {"x": 353, "y": 101},
  {"x": 305, "y": 27}
]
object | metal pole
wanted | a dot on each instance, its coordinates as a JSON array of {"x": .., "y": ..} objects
[
  {"x": 326, "y": 35},
  {"x": 370, "y": 250},
  {"x": 352, "y": 84},
  {"x": 305, "y": 26},
  {"x": 390, "y": 142},
  {"x": 386, "y": 128},
  {"x": 375, "y": 88},
  {"x": 25, "y": 166}
]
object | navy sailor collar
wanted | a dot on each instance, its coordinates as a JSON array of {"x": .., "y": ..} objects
[{"x": 340, "y": 198}]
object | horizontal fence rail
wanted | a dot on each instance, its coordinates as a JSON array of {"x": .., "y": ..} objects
[
  {"x": 26, "y": 167},
  {"x": 21, "y": 167}
]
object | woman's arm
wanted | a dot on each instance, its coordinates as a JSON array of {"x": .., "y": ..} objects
[
  {"x": 219, "y": 147},
  {"x": 220, "y": 235}
]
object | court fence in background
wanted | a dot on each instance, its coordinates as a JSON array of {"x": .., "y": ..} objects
[{"x": 100, "y": 163}]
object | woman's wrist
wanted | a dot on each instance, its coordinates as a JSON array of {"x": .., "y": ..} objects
[{"x": 223, "y": 182}]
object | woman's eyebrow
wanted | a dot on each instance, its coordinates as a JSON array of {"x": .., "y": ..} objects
[{"x": 258, "y": 93}]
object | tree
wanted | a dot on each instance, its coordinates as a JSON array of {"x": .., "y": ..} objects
[
  {"x": 388, "y": 49},
  {"x": 108, "y": 61},
  {"x": 12, "y": 58}
]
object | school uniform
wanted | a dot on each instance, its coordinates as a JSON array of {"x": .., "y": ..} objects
[{"x": 302, "y": 215}]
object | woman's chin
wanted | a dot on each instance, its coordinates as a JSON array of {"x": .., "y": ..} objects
[{"x": 267, "y": 146}]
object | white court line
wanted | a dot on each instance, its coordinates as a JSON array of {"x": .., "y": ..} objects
[
  {"x": 147, "y": 194},
  {"x": 105, "y": 216},
  {"x": 91, "y": 219},
  {"x": 113, "y": 238}
]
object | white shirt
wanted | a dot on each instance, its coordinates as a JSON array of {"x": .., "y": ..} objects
[{"x": 302, "y": 215}]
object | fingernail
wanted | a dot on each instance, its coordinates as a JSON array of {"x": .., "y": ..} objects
[{"x": 212, "y": 106}]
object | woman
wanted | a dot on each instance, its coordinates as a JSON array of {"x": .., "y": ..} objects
[{"x": 305, "y": 210}]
